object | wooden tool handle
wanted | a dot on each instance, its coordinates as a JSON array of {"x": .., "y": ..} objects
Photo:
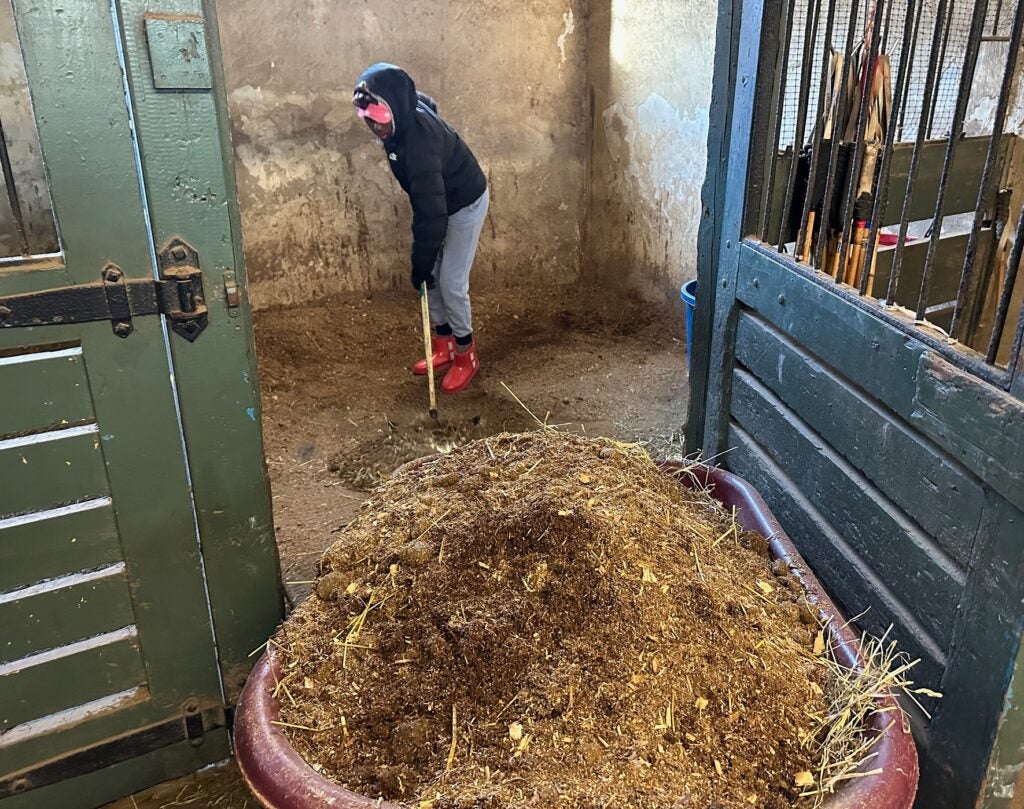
[{"x": 427, "y": 349}]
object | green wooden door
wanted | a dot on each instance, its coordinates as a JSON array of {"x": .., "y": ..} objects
[
  {"x": 137, "y": 562},
  {"x": 892, "y": 458}
]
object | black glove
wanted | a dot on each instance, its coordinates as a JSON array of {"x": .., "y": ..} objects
[{"x": 419, "y": 276}]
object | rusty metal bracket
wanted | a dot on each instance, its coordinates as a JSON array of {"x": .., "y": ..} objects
[{"x": 178, "y": 294}]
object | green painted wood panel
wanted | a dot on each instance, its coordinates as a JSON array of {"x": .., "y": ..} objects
[
  {"x": 981, "y": 425},
  {"x": 1004, "y": 783},
  {"x": 888, "y": 364},
  {"x": 949, "y": 263},
  {"x": 41, "y": 474},
  {"x": 961, "y": 192},
  {"x": 56, "y": 545},
  {"x": 77, "y": 84},
  {"x": 15, "y": 279},
  {"x": 56, "y": 617},
  {"x": 941, "y": 496},
  {"x": 925, "y": 583},
  {"x": 191, "y": 187},
  {"x": 981, "y": 664},
  {"x": 853, "y": 586},
  {"x": 55, "y": 685},
  {"x": 103, "y": 786},
  {"x": 52, "y": 391}
]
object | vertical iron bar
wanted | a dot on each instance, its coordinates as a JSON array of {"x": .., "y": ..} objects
[
  {"x": 903, "y": 103},
  {"x": 963, "y": 96},
  {"x": 837, "y": 137},
  {"x": 859, "y": 147},
  {"x": 819, "y": 127},
  {"x": 12, "y": 192},
  {"x": 810, "y": 35},
  {"x": 995, "y": 22},
  {"x": 888, "y": 28},
  {"x": 907, "y": 51},
  {"x": 942, "y": 66},
  {"x": 1016, "y": 361},
  {"x": 986, "y": 189},
  {"x": 776, "y": 141},
  {"x": 1006, "y": 294},
  {"x": 915, "y": 158}
]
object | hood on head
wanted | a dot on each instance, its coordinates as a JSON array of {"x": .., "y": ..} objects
[{"x": 394, "y": 86}]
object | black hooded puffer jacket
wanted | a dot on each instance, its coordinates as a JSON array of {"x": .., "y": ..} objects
[{"x": 428, "y": 158}]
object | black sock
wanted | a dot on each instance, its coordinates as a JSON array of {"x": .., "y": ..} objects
[
  {"x": 444, "y": 330},
  {"x": 463, "y": 342}
]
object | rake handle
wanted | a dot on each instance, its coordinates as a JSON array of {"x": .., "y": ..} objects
[{"x": 427, "y": 349}]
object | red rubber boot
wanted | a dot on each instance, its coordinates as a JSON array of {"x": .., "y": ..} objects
[
  {"x": 463, "y": 370},
  {"x": 443, "y": 357}
]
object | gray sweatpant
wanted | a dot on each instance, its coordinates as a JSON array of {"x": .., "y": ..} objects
[{"x": 449, "y": 299}]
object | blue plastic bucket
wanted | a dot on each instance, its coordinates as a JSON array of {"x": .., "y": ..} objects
[{"x": 688, "y": 294}]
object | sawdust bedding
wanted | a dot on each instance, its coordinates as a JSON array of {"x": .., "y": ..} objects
[{"x": 540, "y": 619}]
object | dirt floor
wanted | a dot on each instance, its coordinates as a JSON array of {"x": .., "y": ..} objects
[{"x": 341, "y": 409}]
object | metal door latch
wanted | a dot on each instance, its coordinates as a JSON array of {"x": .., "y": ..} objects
[{"x": 178, "y": 294}]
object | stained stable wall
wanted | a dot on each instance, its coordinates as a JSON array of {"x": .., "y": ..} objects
[
  {"x": 321, "y": 212},
  {"x": 650, "y": 63}
]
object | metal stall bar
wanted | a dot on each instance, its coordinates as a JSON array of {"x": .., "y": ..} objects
[
  {"x": 942, "y": 64},
  {"x": 915, "y": 158},
  {"x": 1016, "y": 363},
  {"x": 883, "y": 48},
  {"x": 956, "y": 130},
  {"x": 901, "y": 103},
  {"x": 999, "y": 14},
  {"x": 1005, "y": 295},
  {"x": 804, "y": 232},
  {"x": 833, "y": 160},
  {"x": 910, "y": 31},
  {"x": 810, "y": 37},
  {"x": 987, "y": 190},
  {"x": 774, "y": 142},
  {"x": 12, "y": 193},
  {"x": 874, "y": 24}
]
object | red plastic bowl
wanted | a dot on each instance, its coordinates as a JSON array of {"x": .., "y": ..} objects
[{"x": 281, "y": 779}]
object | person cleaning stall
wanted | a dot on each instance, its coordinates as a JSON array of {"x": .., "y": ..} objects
[{"x": 449, "y": 196}]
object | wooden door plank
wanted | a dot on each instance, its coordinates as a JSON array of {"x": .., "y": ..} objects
[
  {"x": 709, "y": 235},
  {"x": 177, "y": 137},
  {"x": 949, "y": 263},
  {"x": 978, "y": 423},
  {"x": 920, "y": 476},
  {"x": 887, "y": 363},
  {"x": 981, "y": 662},
  {"x": 55, "y": 543},
  {"x": 46, "y": 390},
  {"x": 759, "y": 35},
  {"x": 63, "y": 611},
  {"x": 49, "y": 470},
  {"x": 52, "y": 685},
  {"x": 904, "y": 560},
  {"x": 961, "y": 190},
  {"x": 851, "y": 583},
  {"x": 73, "y": 59},
  {"x": 110, "y": 783}
]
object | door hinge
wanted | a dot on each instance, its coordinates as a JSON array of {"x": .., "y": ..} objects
[{"x": 178, "y": 294}]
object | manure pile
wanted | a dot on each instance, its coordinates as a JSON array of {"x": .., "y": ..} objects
[{"x": 541, "y": 619}]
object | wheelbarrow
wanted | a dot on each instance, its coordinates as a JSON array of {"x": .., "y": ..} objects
[{"x": 281, "y": 779}]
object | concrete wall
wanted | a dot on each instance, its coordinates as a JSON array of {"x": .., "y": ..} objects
[
  {"x": 320, "y": 209},
  {"x": 651, "y": 65}
]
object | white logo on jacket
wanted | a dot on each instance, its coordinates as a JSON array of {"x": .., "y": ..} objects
[{"x": 392, "y": 156}]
